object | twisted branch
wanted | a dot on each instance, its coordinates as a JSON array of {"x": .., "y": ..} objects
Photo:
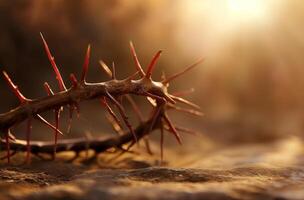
[{"x": 81, "y": 91}]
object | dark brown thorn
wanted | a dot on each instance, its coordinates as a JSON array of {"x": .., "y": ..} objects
[
  {"x": 105, "y": 67},
  {"x": 28, "y": 138},
  {"x": 172, "y": 128},
  {"x": 71, "y": 111},
  {"x": 147, "y": 145},
  {"x": 135, "y": 108},
  {"x": 57, "y": 116},
  {"x": 152, "y": 64},
  {"x": 164, "y": 98},
  {"x": 41, "y": 157},
  {"x": 137, "y": 63},
  {"x": 77, "y": 108},
  {"x": 174, "y": 76},
  {"x": 53, "y": 63},
  {"x": 183, "y": 93},
  {"x": 116, "y": 127},
  {"x": 123, "y": 114},
  {"x": 85, "y": 67},
  {"x": 7, "y": 142},
  {"x": 123, "y": 151},
  {"x": 88, "y": 137},
  {"x": 185, "y": 110},
  {"x": 120, "y": 148},
  {"x": 113, "y": 71},
  {"x": 110, "y": 111},
  {"x": 168, "y": 98},
  {"x": 186, "y": 102},
  {"x": 10, "y": 155},
  {"x": 14, "y": 88},
  {"x": 155, "y": 117},
  {"x": 161, "y": 144},
  {"x": 44, "y": 121},
  {"x": 73, "y": 80},
  {"x": 153, "y": 96}
]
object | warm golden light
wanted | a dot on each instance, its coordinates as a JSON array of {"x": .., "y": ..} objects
[{"x": 247, "y": 9}]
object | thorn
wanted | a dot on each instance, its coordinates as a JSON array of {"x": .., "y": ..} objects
[
  {"x": 186, "y": 102},
  {"x": 10, "y": 155},
  {"x": 28, "y": 138},
  {"x": 174, "y": 76},
  {"x": 186, "y": 130},
  {"x": 57, "y": 115},
  {"x": 14, "y": 88},
  {"x": 88, "y": 138},
  {"x": 105, "y": 67},
  {"x": 137, "y": 63},
  {"x": 155, "y": 117},
  {"x": 161, "y": 144},
  {"x": 7, "y": 142},
  {"x": 113, "y": 71},
  {"x": 77, "y": 108},
  {"x": 44, "y": 121},
  {"x": 163, "y": 76},
  {"x": 11, "y": 136},
  {"x": 123, "y": 114},
  {"x": 172, "y": 129},
  {"x": 73, "y": 80},
  {"x": 168, "y": 98},
  {"x": 152, "y": 64},
  {"x": 152, "y": 101},
  {"x": 183, "y": 93},
  {"x": 185, "y": 110},
  {"x": 48, "y": 89},
  {"x": 131, "y": 76},
  {"x": 85, "y": 67},
  {"x": 147, "y": 145},
  {"x": 110, "y": 111},
  {"x": 165, "y": 98},
  {"x": 135, "y": 108},
  {"x": 71, "y": 110},
  {"x": 153, "y": 96},
  {"x": 114, "y": 124},
  {"x": 55, "y": 68},
  {"x": 123, "y": 152}
]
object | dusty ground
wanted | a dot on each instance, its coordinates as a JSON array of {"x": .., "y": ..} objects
[{"x": 256, "y": 171}]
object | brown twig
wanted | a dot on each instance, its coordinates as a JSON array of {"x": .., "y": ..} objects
[{"x": 81, "y": 91}]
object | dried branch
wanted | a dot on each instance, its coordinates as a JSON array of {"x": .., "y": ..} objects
[{"x": 113, "y": 90}]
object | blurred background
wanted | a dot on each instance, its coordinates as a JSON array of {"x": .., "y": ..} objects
[{"x": 249, "y": 87}]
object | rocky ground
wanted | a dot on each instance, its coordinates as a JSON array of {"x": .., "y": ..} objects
[{"x": 252, "y": 171}]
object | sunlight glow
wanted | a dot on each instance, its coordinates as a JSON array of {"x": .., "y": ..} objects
[{"x": 247, "y": 9}]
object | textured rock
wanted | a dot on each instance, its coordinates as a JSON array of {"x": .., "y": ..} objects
[{"x": 270, "y": 171}]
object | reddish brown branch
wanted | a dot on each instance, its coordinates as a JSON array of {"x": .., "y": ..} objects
[
  {"x": 114, "y": 90},
  {"x": 81, "y": 144}
]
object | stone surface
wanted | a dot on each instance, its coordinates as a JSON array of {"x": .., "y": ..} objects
[{"x": 255, "y": 171}]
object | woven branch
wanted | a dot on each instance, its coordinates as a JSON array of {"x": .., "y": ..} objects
[{"x": 113, "y": 90}]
